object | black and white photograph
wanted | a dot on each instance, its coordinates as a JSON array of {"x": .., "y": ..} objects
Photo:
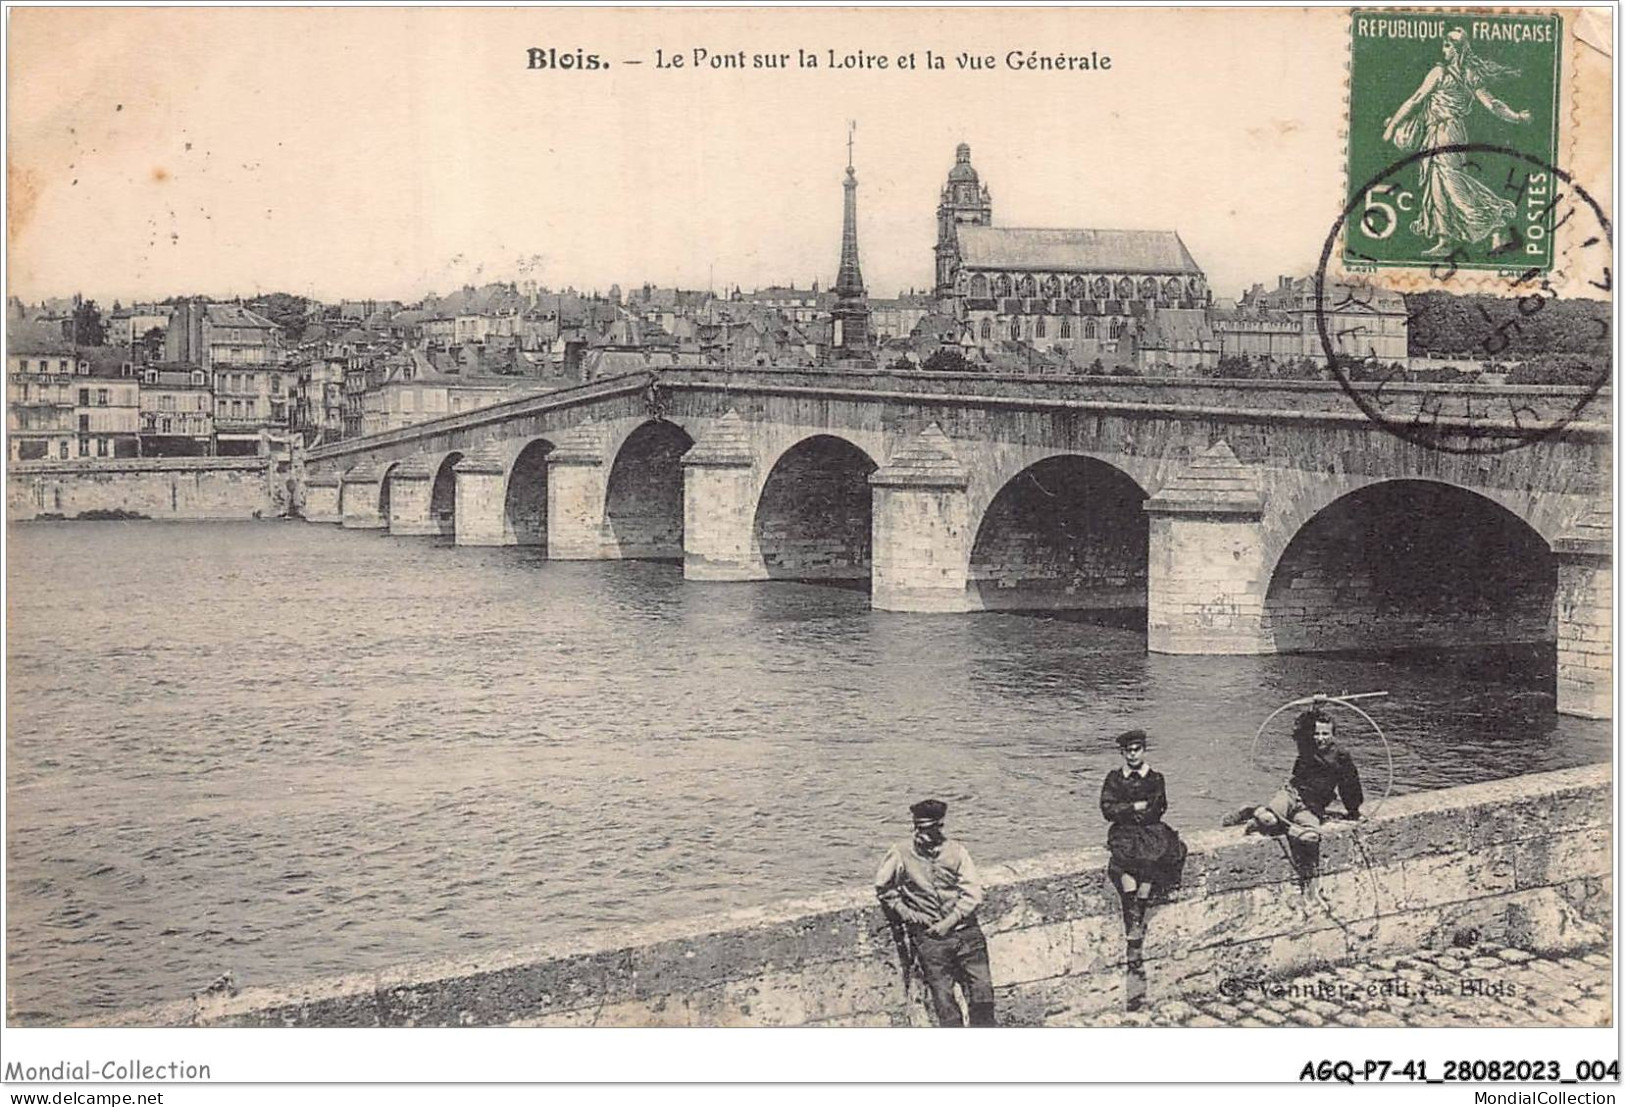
[{"x": 893, "y": 518}]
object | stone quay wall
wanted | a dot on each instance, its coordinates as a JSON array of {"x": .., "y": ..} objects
[
  {"x": 1523, "y": 862},
  {"x": 154, "y": 487}
]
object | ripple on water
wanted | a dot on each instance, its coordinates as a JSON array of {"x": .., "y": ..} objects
[{"x": 326, "y": 767}]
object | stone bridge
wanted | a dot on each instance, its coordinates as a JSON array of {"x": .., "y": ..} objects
[{"x": 1239, "y": 517}]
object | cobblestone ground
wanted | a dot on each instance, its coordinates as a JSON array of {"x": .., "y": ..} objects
[{"x": 1486, "y": 985}]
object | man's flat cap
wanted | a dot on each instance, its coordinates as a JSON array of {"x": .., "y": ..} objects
[
  {"x": 929, "y": 811},
  {"x": 1131, "y": 738}
]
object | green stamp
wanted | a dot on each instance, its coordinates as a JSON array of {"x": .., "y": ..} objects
[{"x": 1452, "y": 140}]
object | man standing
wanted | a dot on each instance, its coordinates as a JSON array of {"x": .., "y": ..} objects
[
  {"x": 929, "y": 885},
  {"x": 1322, "y": 770}
]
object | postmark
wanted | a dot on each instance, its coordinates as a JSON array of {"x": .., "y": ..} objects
[
  {"x": 1499, "y": 317},
  {"x": 1440, "y": 82}
]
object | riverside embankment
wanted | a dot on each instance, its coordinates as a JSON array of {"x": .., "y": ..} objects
[{"x": 1523, "y": 862}]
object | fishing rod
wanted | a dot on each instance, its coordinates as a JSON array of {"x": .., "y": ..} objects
[{"x": 1344, "y": 701}]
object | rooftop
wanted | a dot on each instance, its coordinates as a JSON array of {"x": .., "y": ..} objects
[{"x": 1070, "y": 250}]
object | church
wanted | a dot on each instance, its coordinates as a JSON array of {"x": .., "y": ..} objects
[{"x": 1121, "y": 297}]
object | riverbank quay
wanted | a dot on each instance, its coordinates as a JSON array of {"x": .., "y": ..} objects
[
  {"x": 173, "y": 488},
  {"x": 1479, "y": 985},
  {"x": 1523, "y": 863}
]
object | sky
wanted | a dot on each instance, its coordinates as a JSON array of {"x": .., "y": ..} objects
[{"x": 387, "y": 153}]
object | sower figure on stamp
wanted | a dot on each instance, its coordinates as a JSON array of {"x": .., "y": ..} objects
[
  {"x": 929, "y": 884},
  {"x": 1454, "y": 206},
  {"x": 1322, "y": 770},
  {"x": 1147, "y": 854}
]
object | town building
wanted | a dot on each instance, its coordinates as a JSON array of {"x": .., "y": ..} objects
[
  {"x": 414, "y": 389},
  {"x": 68, "y": 402},
  {"x": 894, "y": 319},
  {"x": 1280, "y": 323},
  {"x": 799, "y": 305},
  {"x": 177, "y": 411},
  {"x": 242, "y": 354},
  {"x": 129, "y": 325}
]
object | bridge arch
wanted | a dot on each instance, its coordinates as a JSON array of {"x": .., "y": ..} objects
[
  {"x": 524, "y": 499},
  {"x": 643, "y": 497},
  {"x": 386, "y": 474},
  {"x": 443, "y": 495},
  {"x": 1067, "y": 532},
  {"x": 814, "y": 516},
  {"x": 1411, "y": 563}
]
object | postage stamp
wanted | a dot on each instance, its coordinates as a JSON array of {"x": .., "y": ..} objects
[{"x": 1452, "y": 121}]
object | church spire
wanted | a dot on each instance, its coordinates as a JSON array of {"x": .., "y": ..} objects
[{"x": 851, "y": 338}]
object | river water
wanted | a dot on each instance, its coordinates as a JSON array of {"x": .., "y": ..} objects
[{"x": 289, "y": 750}]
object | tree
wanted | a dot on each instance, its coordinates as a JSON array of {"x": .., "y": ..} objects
[
  {"x": 88, "y": 328},
  {"x": 947, "y": 360}
]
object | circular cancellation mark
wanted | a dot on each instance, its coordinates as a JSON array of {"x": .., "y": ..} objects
[{"x": 1502, "y": 423}]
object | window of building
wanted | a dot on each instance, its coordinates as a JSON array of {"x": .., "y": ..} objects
[
  {"x": 222, "y": 409},
  {"x": 164, "y": 425},
  {"x": 151, "y": 376},
  {"x": 236, "y": 409},
  {"x": 101, "y": 447},
  {"x": 25, "y": 392},
  {"x": 1066, "y": 328},
  {"x": 1077, "y": 288},
  {"x": 1015, "y": 330},
  {"x": 1027, "y": 287},
  {"x": 987, "y": 329},
  {"x": 1148, "y": 288},
  {"x": 1041, "y": 328},
  {"x": 249, "y": 408},
  {"x": 84, "y": 397},
  {"x": 1125, "y": 289},
  {"x": 1001, "y": 285},
  {"x": 62, "y": 449},
  {"x": 101, "y": 397},
  {"x": 197, "y": 378},
  {"x": 1052, "y": 286},
  {"x": 84, "y": 447},
  {"x": 978, "y": 286},
  {"x": 84, "y": 368},
  {"x": 1088, "y": 328},
  {"x": 61, "y": 365}
]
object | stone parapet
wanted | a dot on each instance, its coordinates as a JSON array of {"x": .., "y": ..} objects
[{"x": 1522, "y": 862}]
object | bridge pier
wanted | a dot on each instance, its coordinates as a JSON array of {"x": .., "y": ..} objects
[
  {"x": 719, "y": 506},
  {"x": 482, "y": 519},
  {"x": 1206, "y": 577},
  {"x": 921, "y": 528},
  {"x": 322, "y": 499},
  {"x": 359, "y": 494},
  {"x": 577, "y": 488},
  {"x": 1585, "y": 630},
  {"x": 409, "y": 497}
]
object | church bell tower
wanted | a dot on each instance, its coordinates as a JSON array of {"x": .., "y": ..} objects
[{"x": 964, "y": 200}]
